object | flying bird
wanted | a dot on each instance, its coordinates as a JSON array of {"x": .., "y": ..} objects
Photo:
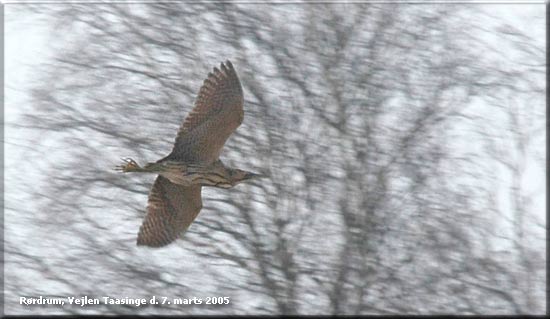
[{"x": 175, "y": 198}]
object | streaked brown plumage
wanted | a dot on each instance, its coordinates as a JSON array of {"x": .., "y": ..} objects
[
  {"x": 170, "y": 210},
  {"x": 175, "y": 198},
  {"x": 218, "y": 112}
]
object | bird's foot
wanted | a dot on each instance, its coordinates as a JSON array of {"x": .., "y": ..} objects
[{"x": 129, "y": 166}]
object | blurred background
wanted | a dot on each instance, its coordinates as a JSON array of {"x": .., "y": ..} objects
[{"x": 405, "y": 145}]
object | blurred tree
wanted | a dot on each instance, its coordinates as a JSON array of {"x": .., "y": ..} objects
[{"x": 380, "y": 126}]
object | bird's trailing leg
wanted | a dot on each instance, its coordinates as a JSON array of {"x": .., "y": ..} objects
[{"x": 129, "y": 165}]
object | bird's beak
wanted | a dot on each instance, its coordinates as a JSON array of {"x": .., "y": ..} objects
[{"x": 250, "y": 175}]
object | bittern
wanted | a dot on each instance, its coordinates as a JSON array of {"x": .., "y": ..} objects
[{"x": 175, "y": 198}]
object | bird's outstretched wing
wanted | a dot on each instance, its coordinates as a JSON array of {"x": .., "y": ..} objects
[
  {"x": 170, "y": 211},
  {"x": 217, "y": 113}
]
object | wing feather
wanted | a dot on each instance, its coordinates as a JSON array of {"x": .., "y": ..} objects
[
  {"x": 217, "y": 113},
  {"x": 171, "y": 209}
]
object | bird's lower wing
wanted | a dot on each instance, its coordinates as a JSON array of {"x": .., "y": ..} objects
[{"x": 171, "y": 209}]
